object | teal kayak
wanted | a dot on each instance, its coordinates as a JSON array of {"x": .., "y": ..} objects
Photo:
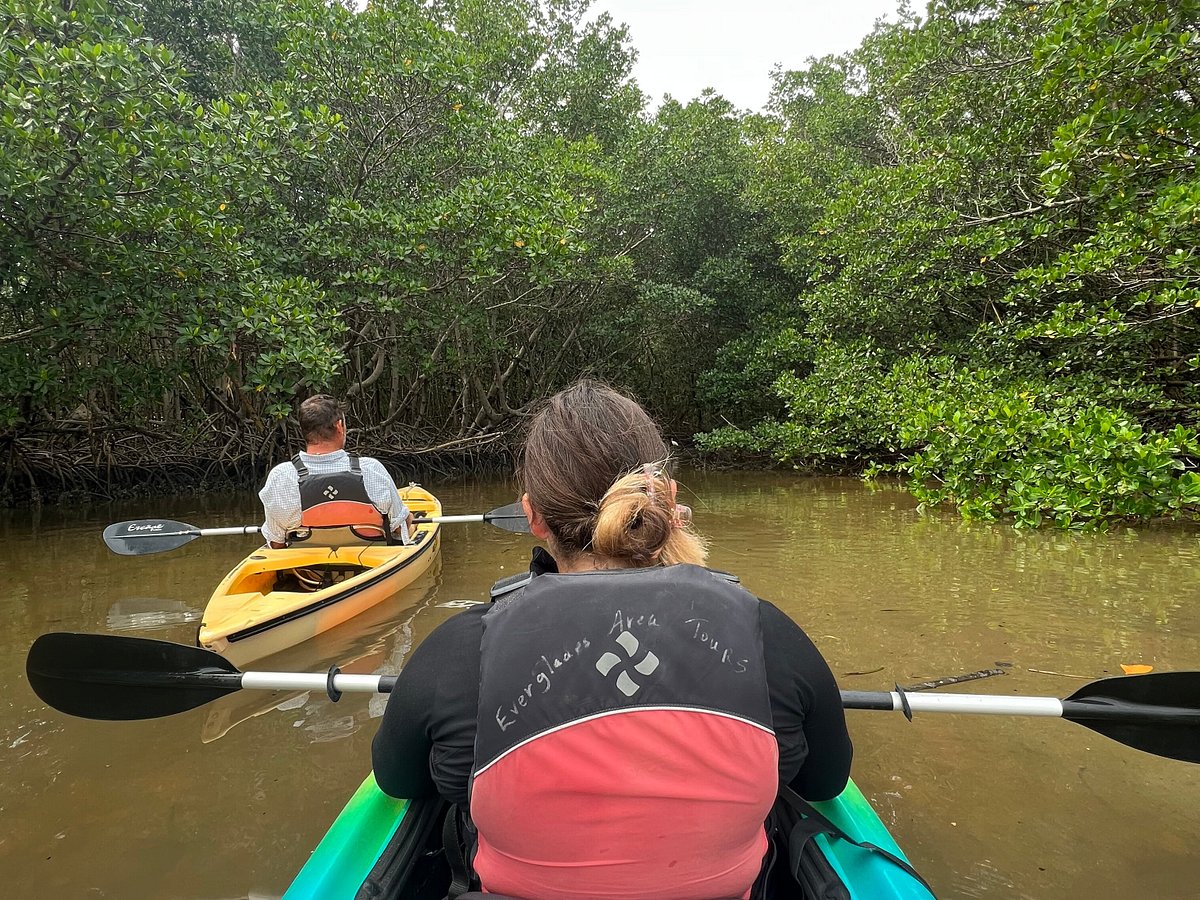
[{"x": 381, "y": 847}]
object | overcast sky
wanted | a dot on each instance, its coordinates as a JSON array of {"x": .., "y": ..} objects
[{"x": 685, "y": 46}]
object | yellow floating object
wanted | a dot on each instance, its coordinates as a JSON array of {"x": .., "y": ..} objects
[
  {"x": 1136, "y": 669},
  {"x": 262, "y": 607}
]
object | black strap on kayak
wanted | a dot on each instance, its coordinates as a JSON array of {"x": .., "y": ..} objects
[
  {"x": 814, "y": 823},
  {"x": 808, "y": 876},
  {"x": 412, "y": 856},
  {"x": 456, "y": 857}
]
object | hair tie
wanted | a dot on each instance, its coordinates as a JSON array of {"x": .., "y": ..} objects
[
  {"x": 650, "y": 471},
  {"x": 682, "y": 517}
]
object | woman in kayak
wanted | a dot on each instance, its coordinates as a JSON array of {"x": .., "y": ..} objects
[{"x": 616, "y": 722}]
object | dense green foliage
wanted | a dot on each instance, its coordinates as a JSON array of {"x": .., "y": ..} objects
[
  {"x": 188, "y": 251},
  {"x": 995, "y": 211},
  {"x": 964, "y": 252}
]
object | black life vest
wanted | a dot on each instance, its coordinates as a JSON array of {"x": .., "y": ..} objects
[
  {"x": 644, "y": 687},
  {"x": 339, "y": 500}
]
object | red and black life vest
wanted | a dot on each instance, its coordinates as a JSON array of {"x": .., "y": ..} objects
[
  {"x": 624, "y": 737},
  {"x": 339, "y": 500}
]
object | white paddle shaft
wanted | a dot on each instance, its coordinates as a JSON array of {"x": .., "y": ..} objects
[
  {"x": 972, "y": 704},
  {"x": 980, "y": 704},
  {"x": 309, "y": 681}
]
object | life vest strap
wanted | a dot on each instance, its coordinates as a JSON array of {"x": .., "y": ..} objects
[
  {"x": 512, "y": 583},
  {"x": 302, "y": 469}
]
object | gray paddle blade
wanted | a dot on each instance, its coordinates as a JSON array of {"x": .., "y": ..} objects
[
  {"x": 509, "y": 518},
  {"x": 146, "y": 536}
]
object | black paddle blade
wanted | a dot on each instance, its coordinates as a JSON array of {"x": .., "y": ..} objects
[
  {"x": 148, "y": 536},
  {"x": 509, "y": 518},
  {"x": 107, "y": 676},
  {"x": 1158, "y": 713}
]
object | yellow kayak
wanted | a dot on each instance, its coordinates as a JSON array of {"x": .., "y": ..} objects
[{"x": 275, "y": 599}]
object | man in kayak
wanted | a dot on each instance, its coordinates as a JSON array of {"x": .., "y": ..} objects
[
  {"x": 324, "y": 486},
  {"x": 618, "y": 721}
]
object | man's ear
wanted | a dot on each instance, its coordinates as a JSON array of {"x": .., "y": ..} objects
[{"x": 537, "y": 525}]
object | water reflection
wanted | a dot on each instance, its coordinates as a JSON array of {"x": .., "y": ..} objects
[
  {"x": 234, "y": 709},
  {"x": 145, "y": 613}
]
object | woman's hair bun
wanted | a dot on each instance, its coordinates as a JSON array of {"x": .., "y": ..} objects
[{"x": 635, "y": 520}]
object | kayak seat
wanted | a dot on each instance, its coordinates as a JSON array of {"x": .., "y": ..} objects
[
  {"x": 348, "y": 536},
  {"x": 337, "y": 536}
]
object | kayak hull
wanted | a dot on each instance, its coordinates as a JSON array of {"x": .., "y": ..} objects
[
  {"x": 373, "y": 825},
  {"x": 254, "y": 612},
  {"x": 352, "y": 846}
]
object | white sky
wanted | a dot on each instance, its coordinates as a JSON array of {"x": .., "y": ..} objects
[{"x": 685, "y": 46}]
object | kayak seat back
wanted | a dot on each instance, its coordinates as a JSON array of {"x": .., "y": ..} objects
[
  {"x": 792, "y": 868},
  {"x": 337, "y": 536}
]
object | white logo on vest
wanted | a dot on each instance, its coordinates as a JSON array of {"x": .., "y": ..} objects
[
  {"x": 331, "y": 492},
  {"x": 629, "y": 644}
]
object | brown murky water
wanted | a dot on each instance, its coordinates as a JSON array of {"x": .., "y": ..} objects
[{"x": 227, "y": 800}]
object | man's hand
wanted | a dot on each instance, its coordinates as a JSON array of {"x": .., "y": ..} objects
[{"x": 409, "y": 524}]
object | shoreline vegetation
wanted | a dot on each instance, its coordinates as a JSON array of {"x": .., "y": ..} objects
[{"x": 966, "y": 253}]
